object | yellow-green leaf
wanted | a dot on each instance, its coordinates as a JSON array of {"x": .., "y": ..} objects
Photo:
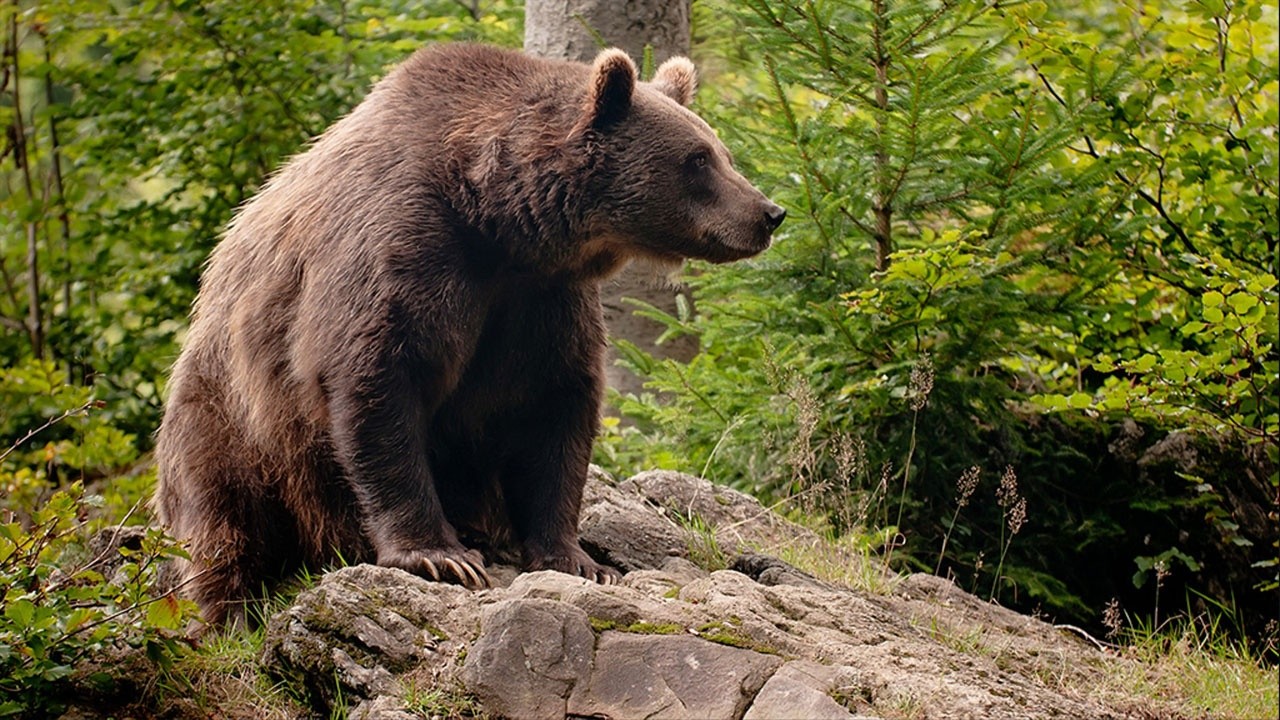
[{"x": 1242, "y": 302}]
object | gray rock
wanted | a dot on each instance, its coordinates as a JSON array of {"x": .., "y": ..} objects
[
  {"x": 363, "y": 625},
  {"x": 597, "y": 601},
  {"x": 675, "y": 574},
  {"x": 618, "y": 527},
  {"x": 675, "y": 676},
  {"x": 383, "y": 707},
  {"x": 768, "y": 570},
  {"x": 740, "y": 522},
  {"x": 803, "y": 689},
  {"x": 530, "y": 656}
]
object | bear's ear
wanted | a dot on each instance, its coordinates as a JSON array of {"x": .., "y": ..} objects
[
  {"x": 677, "y": 79},
  {"x": 613, "y": 79}
]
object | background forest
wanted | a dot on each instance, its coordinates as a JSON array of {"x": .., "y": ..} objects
[{"x": 1019, "y": 329}]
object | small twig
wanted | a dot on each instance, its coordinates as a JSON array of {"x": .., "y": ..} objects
[
  {"x": 64, "y": 217},
  {"x": 707, "y": 465},
  {"x": 12, "y": 291},
  {"x": 74, "y": 411},
  {"x": 766, "y": 510},
  {"x": 35, "y": 322},
  {"x": 132, "y": 608},
  {"x": 115, "y": 533},
  {"x": 1103, "y": 646},
  {"x": 472, "y": 8}
]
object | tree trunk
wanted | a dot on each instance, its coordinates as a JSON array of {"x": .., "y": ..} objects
[{"x": 577, "y": 30}]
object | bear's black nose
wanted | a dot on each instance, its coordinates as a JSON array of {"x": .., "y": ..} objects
[{"x": 774, "y": 215}]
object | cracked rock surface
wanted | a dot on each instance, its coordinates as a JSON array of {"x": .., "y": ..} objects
[{"x": 760, "y": 640}]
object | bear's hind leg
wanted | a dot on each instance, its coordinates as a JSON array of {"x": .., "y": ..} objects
[
  {"x": 212, "y": 498},
  {"x": 238, "y": 543}
]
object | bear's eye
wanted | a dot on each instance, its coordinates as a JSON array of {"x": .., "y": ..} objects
[{"x": 699, "y": 160}]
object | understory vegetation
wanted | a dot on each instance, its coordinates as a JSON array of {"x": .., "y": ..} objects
[
  {"x": 1020, "y": 328},
  {"x": 1022, "y": 331}
]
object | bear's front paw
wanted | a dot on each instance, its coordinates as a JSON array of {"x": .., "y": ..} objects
[
  {"x": 575, "y": 561},
  {"x": 458, "y": 564}
]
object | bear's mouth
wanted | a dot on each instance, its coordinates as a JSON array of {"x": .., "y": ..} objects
[
  {"x": 729, "y": 249},
  {"x": 711, "y": 247}
]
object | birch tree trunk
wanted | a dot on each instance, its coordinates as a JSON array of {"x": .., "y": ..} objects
[{"x": 575, "y": 30}]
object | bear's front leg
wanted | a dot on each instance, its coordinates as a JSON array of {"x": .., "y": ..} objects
[
  {"x": 379, "y": 423},
  {"x": 543, "y": 490},
  {"x": 546, "y": 469}
]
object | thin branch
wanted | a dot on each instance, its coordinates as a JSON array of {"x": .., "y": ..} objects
[
  {"x": 134, "y": 607},
  {"x": 1103, "y": 646},
  {"x": 115, "y": 533},
  {"x": 64, "y": 218},
  {"x": 810, "y": 167},
  {"x": 11, "y": 290},
  {"x": 472, "y": 8},
  {"x": 349, "y": 60},
  {"x": 960, "y": 194},
  {"x": 906, "y": 46},
  {"x": 1092, "y": 151},
  {"x": 74, "y": 411},
  {"x": 35, "y": 322},
  {"x": 210, "y": 31}
]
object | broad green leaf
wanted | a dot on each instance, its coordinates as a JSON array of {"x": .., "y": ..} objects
[
  {"x": 1080, "y": 400},
  {"x": 22, "y": 612},
  {"x": 1242, "y": 302}
]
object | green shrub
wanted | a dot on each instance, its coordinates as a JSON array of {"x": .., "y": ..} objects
[
  {"x": 63, "y": 607},
  {"x": 1023, "y": 197}
]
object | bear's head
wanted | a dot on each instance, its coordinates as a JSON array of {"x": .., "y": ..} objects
[{"x": 664, "y": 184}]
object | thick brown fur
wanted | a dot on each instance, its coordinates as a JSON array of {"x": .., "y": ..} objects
[{"x": 395, "y": 355}]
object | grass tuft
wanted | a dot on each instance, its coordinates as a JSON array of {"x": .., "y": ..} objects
[{"x": 1201, "y": 669}]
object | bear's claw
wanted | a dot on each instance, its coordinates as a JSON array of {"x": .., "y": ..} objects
[
  {"x": 577, "y": 562},
  {"x": 606, "y": 575},
  {"x": 465, "y": 568}
]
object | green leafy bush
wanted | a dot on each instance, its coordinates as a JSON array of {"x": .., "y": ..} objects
[
  {"x": 1069, "y": 210},
  {"x": 74, "y": 590},
  {"x": 61, "y": 610}
]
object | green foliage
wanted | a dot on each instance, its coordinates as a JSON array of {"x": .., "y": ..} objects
[
  {"x": 1066, "y": 208},
  {"x": 66, "y": 603},
  {"x": 453, "y": 702},
  {"x": 1216, "y": 371},
  {"x": 1188, "y": 335},
  {"x": 61, "y": 610},
  {"x": 1198, "y": 661},
  {"x": 77, "y": 441}
]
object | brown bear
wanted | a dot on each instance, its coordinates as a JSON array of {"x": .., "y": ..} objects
[{"x": 395, "y": 355}]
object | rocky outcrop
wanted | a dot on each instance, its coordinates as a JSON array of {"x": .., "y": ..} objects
[{"x": 672, "y": 640}]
